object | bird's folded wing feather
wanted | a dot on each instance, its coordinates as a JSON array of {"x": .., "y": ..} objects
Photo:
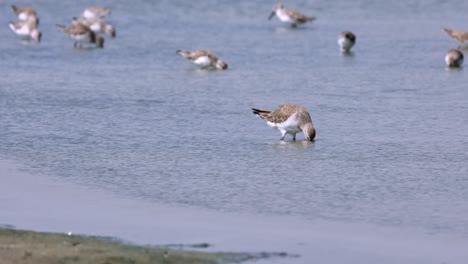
[
  {"x": 282, "y": 113},
  {"x": 298, "y": 16},
  {"x": 456, "y": 34}
]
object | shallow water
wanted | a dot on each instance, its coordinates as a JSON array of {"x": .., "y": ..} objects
[{"x": 137, "y": 120}]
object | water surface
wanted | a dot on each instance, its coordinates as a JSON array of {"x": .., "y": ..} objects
[{"x": 138, "y": 121}]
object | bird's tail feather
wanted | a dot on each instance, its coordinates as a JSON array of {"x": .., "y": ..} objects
[
  {"x": 183, "y": 53},
  {"x": 260, "y": 113},
  {"x": 448, "y": 31}
]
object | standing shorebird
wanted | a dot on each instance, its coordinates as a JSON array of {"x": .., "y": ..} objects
[
  {"x": 98, "y": 25},
  {"x": 27, "y": 29},
  {"x": 454, "y": 58},
  {"x": 291, "y": 17},
  {"x": 459, "y": 35},
  {"x": 203, "y": 58},
  {"x": 346, "y": 40},
  {"x": 289, "y": 119},
  {"x": 82, "y": 35}
]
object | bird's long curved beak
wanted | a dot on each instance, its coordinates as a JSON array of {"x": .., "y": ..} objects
[{"x": 271, "y": 15}]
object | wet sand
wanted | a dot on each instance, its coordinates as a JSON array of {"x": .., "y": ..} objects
[{"x": 42, "y": 203}]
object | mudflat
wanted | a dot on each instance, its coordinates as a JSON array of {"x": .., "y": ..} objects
[{"x": 19, "y": 246}]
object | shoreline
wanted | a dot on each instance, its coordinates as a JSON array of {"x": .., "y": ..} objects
[
  {"x": 21, "y": 246},
  {"x": 37, "y": 202}
]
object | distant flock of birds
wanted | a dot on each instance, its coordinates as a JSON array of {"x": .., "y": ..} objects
[
  {"x": 85, "y": 29},
  {"x": 289, "y": 118}
]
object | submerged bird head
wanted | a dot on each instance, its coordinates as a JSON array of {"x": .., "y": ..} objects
[
  {"x": 221, "y": 65},
  {"x": 309, "y": 131},
  {"x": 275, "y": 8},
  {"x": 305, "y": 124}
]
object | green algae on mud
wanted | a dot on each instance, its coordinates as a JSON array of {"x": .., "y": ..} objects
[{"x": 18, "y": 246}]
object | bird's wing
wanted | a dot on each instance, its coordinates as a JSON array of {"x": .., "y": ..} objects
[
  {"x": 298, "y": 16},
  {"x": 200, "y": 53},
  {"x": 80, "y": 29},
  {"x": 282, "y": 113},
  {"x": 457, "y": 34}
]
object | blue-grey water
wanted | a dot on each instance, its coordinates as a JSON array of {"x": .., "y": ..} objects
[{"x": 139, "y": 121}]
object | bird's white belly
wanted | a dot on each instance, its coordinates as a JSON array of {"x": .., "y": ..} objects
[
  {"x": 291, "y": 125},
  {"x": 203, "y": 61},
  {"x": 457, "y": 62},
  {"x": 22, "y": 31},
  {"x": 81, "y": 37},
  {"x": 345, "y": 43},
  {"x": 96, "y": 27},
  {"x": 447, "y": 59},
  {"x": 284, "y": 17}
]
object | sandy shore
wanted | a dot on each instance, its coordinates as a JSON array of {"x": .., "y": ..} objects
[{"x": 37, "y": 202}]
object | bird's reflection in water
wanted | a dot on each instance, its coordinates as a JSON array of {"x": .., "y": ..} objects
[{"x": 291, "y": 144}]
